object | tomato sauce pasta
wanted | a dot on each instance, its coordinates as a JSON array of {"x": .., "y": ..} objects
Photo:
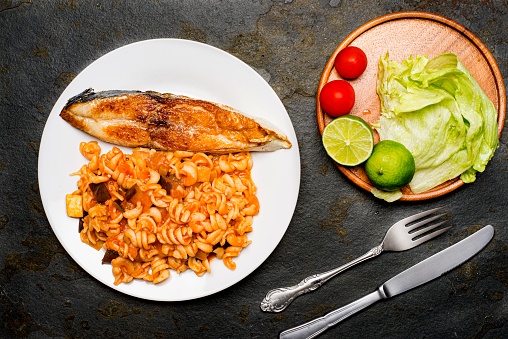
[{"x": 158, "y": 211}]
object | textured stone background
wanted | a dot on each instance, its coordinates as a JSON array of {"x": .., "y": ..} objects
[{"x": 44, "y": 293}]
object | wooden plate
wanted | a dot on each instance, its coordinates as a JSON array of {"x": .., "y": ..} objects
[{"x": 403, "y": 34}]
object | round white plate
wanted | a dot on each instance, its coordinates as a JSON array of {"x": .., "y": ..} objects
[{"x": 193, "y": 69}]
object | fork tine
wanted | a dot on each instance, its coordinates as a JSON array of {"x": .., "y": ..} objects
[
  {"x": 426, "y": 229},
  {"x": 423, "y": 222},
  {"x": 431, "y": 235},
  {"x": 419, "y": 215}
]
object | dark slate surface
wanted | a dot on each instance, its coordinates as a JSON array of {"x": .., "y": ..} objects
[{"x": 44, "y": 293}]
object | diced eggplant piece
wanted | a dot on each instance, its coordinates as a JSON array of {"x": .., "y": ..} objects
[
  {"x": 100, "y": 192},
  {"x": 74, "y": 205},
  {"x": 165, "y": 183},
  {"x": 118, "y": 206},
  {"x": 80, "y": 225},
  {"x": 108, "y": 256},
  {"x": 131, "y": 191}
]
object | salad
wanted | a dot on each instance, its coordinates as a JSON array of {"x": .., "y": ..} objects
[{"x": 439, "y": 112}]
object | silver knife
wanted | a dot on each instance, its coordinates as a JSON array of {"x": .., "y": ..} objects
[{"x": 419, "y": 274}]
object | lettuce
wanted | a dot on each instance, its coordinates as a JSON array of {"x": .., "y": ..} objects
[{"x": 439, "y": 112}]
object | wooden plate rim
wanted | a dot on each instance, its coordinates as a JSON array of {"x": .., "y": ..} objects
[{"x": 450, "y": 185}]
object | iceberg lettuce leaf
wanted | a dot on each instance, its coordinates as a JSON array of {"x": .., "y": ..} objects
[
  {"x": 440, "y": 113},
  {"x": 387, "y": 196}
]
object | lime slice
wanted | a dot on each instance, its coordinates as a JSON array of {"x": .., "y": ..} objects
[{"x": 348, "y": 140}]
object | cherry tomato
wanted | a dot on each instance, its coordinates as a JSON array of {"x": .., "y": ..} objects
[
  {"x": 337, "y": 98},
  {"x": 350, "y": 62}
]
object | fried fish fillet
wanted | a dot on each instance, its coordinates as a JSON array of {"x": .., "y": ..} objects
[{"x": 169, "y": 122}]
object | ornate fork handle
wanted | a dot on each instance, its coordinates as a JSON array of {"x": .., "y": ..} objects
[{"x": 278, "y": 299}]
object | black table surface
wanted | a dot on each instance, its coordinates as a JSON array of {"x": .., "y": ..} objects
[{"x": 44, "y": 293}]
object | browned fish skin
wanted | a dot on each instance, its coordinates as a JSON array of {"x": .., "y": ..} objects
[{"x": 168, "y": 122}]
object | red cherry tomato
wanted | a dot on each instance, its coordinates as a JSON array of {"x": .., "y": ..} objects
[
  {"x": 350, "y": 62},
  {"x": 337, "y": 98}
]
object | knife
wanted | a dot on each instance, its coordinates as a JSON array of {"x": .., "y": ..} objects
[{"x": 419, "y": 274}]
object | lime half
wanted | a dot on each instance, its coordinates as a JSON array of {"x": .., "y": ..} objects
[{"x": 348, "y": 140}]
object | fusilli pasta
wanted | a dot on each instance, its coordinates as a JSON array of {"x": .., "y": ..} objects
[{"x": 158, "y": 211}]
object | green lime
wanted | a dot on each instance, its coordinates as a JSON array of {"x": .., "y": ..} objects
[
  {"x": 390, "y": 166},
  {"x": 348, "y": 140}
]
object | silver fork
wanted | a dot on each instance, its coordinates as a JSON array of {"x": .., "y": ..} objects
[{"x": 403, "y": 235}]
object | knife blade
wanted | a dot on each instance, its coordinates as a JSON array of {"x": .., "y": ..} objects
[{"x": 419, "y": 274}]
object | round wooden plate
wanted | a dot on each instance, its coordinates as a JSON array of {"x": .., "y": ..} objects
[{"x": 403, "y": 34}]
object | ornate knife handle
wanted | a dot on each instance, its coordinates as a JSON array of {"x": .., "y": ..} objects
[{"x": 278, "y": 299}]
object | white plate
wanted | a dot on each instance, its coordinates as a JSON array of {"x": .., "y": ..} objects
[{"x": 187, "y": 68}]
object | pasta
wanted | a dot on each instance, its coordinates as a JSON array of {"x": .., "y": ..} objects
[{"x": 154, "y": 211}]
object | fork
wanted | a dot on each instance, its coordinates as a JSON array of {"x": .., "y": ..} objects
[{"x": 403, "y": 235}]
